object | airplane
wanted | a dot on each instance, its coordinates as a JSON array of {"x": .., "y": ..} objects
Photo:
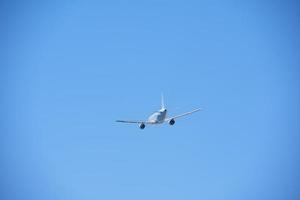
[{"x": 159, "y": 117}]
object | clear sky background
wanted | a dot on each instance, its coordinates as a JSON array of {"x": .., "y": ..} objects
[{"x": 69, "y": 69}]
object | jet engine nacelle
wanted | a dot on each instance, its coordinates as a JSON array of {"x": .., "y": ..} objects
[
  {"x": 172, "y": 122},
  {"x": 142, "y": 126}
]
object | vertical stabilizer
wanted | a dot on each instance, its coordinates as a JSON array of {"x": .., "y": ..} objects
[{"x": 162, "y": 101}]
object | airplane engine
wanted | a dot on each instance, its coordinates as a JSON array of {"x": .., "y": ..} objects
[
  {"x": 142, "y": 126},
  {"x": 172, "y": 122}
]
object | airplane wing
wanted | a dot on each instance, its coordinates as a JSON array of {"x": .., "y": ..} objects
[
  {"x": 133, "y": 122},
  {"x": 184, "y": 114}
]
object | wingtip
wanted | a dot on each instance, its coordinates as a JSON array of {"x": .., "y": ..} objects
[{"x": 198, "y": 109}]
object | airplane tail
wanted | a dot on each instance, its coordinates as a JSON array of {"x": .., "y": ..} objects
[{"x": 162, "y": 101}]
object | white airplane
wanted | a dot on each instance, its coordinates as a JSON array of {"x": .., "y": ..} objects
[{"x": 158, "y": 117}]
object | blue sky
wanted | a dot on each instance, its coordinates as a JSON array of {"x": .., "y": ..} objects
[{"x": 69, "y": 69}]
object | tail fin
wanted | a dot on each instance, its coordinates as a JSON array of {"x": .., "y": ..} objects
[{"x": 162, "y": 101}]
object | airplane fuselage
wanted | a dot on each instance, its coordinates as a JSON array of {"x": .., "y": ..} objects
[{"x": 158, "y": 117}]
